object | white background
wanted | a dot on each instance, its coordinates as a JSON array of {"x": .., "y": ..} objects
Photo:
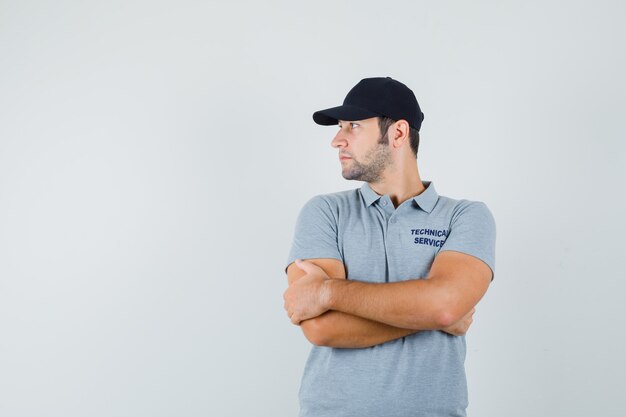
[{"x": 154, "y": 157}]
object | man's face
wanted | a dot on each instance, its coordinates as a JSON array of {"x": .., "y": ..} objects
[{"x": 367, "y": 150}]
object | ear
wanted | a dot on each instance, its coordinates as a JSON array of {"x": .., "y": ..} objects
[{"x": 400, "y": 132}]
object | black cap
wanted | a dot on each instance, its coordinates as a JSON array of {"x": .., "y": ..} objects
[{"x": 375, "y": 97}]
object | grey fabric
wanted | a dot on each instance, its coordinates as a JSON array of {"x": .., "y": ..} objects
[{"x": 417, "y": 375}]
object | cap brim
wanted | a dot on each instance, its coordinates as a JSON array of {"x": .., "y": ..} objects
[{"x": 346, "y": 112}]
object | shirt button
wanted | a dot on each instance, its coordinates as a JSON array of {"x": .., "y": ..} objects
[
  {"x": 393, "y": 220},
  {"x": 384, "y": 202}
]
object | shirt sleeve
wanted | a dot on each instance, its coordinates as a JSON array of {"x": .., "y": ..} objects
[
  {"x": 315, "y": 234},
  {"x": 473, "y": 231}
]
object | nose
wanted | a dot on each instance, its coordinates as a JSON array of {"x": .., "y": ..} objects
[{"x": 339, "y": 140}]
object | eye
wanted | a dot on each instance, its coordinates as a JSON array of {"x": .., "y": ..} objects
[{"x": 354, "y": 125}]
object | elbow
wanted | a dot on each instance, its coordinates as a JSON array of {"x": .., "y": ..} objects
[
  {"x": 445, "y": 318},
  {"x": 445, "y": 309},
  {"x": 444, "y": 313},
  {"x": 448, "y": 315},
  {"x": 435, "y": 319},
  {"x": 314, "y": 332}
]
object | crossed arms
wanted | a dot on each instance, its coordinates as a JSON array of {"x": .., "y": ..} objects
[{"x": 361, "y": 314}]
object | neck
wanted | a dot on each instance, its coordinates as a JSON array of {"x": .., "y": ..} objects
[{"x": 400, "y": 183}]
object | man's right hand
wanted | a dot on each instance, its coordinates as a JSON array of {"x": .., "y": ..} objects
[{"x": 460, "y": 327}]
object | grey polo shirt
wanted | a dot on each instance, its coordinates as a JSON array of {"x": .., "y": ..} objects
[{"x": 421, "y": 374}]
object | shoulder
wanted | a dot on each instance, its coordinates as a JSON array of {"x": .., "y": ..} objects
[
  {"x": 471, "y": 206},
  {"x": 464, "y": 209},
  {"x": 333, "y": 201}
]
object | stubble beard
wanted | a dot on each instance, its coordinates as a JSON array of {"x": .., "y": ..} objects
[{"x": 372, "y": 168}]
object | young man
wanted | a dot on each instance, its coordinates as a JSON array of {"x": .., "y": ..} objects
[{"x": 383, "y": 279}]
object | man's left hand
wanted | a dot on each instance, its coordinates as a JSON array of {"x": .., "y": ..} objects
[{"x": 307, "y": 297}]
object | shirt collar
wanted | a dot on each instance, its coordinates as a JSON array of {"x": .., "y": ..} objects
[{"x": 426, "y": 200}]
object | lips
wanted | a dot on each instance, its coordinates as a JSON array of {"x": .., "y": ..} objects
[{"x": 343, "y": 157}]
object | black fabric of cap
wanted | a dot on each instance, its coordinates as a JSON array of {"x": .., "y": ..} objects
[{"x": 375, "y": 97}]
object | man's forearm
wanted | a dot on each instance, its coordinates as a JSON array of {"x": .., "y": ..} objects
[
  {"x": 412, "y": 304},
  {"x": 342, "y": 330}
]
